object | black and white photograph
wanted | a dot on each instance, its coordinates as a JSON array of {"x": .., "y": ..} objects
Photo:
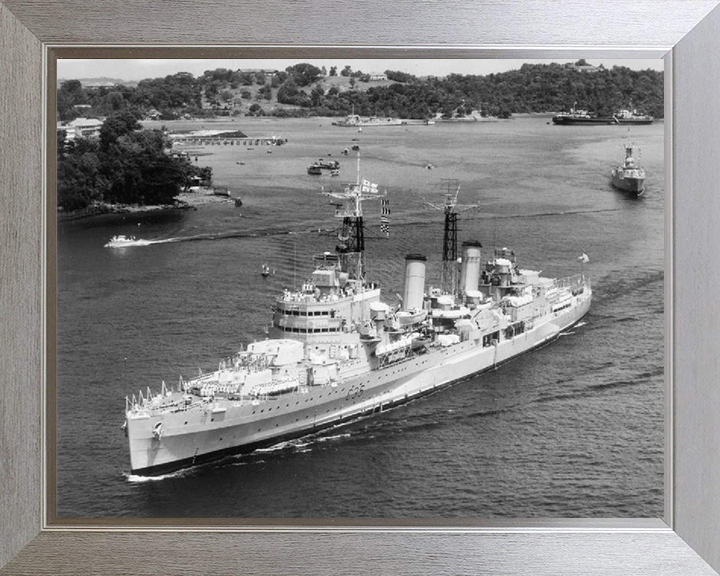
[{"x": 391, "y": 288}]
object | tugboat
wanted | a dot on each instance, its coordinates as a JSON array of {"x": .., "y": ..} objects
[
  {"x": 629, "y": 176},
  {"x": 337, "y": 351},
  {"x": 578, "y": 116}
]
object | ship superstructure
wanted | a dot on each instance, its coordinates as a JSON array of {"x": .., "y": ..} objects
[{"x": 337, "y": 351}]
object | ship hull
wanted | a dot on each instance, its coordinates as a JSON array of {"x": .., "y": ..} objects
[
  {"x": 572, "y": 121},
  {"x": 633, "y": 185},
  {"x": 635, "y": 121},
  {"x": 600, "y": 121},
  {"x": 191, "y": 439}
]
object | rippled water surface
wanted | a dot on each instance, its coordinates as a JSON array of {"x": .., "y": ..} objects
[{"x": 574, "y": 429}]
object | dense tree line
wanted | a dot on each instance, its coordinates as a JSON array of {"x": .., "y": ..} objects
[
  {"x": 171, "y": 96},
  {"x": 125, "y": 165},
  {"x": 532, "y": 88}
]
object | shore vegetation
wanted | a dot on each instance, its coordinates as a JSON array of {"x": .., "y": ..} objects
[
  {"x": 304, "y": 90},
  {"x": 124, "y": 166}
]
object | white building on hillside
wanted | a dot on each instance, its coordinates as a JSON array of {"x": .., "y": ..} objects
[{"x": 83, "y": 128}]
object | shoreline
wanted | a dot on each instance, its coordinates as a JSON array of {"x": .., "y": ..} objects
[{"x": 184, "y": 201}]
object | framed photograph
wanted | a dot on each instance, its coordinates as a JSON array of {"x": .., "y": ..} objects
[
  {"x": 112, "y": 317},
  {"x": 364, "y": 260}
]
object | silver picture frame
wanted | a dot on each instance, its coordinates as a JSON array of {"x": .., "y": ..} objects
[{"x": 686, "y": 33}]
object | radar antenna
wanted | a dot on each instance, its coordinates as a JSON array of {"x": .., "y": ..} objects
[{"x": 450, "y": 188}]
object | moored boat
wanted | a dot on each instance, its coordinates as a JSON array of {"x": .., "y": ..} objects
[
  {"x": 328, "y": 164},
  {"x": 356, "y": 121},
  {"x": 579, "y": 116}
]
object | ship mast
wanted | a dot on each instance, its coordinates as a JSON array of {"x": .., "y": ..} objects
[
  {"x": 351, "y": 238},
  {"x": 449, "y": 278}
]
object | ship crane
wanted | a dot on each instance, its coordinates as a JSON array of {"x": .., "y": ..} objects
[{"x": 450, "y": 188}]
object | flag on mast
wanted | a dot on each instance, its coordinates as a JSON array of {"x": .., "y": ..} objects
[
  {"x": 385, "y": 216},
  {"x": 584, "y": 258},
  {"x": 368, "y": 187}
]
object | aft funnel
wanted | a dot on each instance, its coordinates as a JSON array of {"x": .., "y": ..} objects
[
  {"x": 470, "y": 270},
  {"x": 414, "y": 282}
]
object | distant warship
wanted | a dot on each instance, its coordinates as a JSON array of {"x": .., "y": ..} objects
[{"x": 629, "y": 176}]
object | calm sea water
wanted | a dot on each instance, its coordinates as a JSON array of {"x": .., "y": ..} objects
[{"x": 574, "y": 429}]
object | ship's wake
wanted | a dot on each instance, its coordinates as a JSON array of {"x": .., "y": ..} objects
[
  {"x": 303, "y": 444},
  {"x": 137, "y": 479},
  {"x": 208, "y": 237},
  {"x": 259, "y": 456},
  {"x": 313, "y": 229}
]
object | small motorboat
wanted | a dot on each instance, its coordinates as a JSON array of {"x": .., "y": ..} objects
[
  {"x": 265, "y": 270},
  {"x": 121, "y": 241}
]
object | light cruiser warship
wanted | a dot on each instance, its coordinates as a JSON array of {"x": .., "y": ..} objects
[{"x": 338, "y": 352}]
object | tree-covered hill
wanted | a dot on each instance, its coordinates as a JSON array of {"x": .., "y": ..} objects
[
  {"x": 125, "y": 165},
  {"x": 306, "y": 90}
]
